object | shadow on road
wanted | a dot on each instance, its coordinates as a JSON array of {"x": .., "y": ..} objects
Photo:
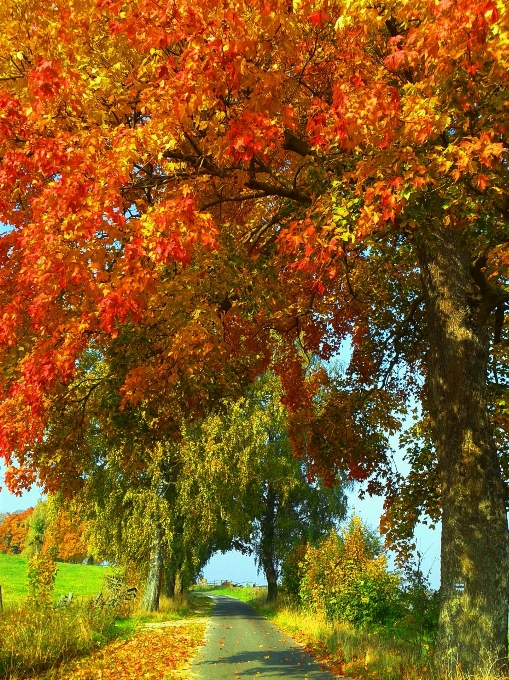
[{"x": 242, "y": 643}]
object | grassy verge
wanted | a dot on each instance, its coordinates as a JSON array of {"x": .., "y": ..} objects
[
  {"x": 83, "y": 642},
  {"x": 189, "y": 606},
  {"x": 246, "y": 593},
  {"x": 31, "y": 640},
  {"x": 396, "y": 653},
  {"x": 367, "y": 654}
]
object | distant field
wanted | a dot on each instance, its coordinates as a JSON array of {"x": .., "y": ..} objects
[
  {"x": 80, "y": 579},
  {"x": 246, "y": 593}
]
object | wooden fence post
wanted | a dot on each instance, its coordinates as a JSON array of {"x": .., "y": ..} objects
[{"x": 1, "y": 603}]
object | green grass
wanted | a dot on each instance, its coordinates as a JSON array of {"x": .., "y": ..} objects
[
  {"x": 246, "y": 594},
  {"x": 80, "y": 579}
]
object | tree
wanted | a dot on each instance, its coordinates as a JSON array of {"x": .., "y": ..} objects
[
  {"x": 13, "y": 531},
  {"x": 338, "y": 171},
  {"x": 133, "y": 518},
  {"x": 64, "y": 534},
  {"x": 37, "y": 525},
  {"x": 119, "y": 478},
  {"x": 284, "y": 519},
  {"x": 49, "y": 527},
  {"x": 240, "y": 467}
]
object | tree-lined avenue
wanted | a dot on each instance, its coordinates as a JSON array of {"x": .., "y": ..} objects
[{"x": 198, "y": 194}]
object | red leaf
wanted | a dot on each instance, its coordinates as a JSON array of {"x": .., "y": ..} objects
[{"x": 318, "y": 18}]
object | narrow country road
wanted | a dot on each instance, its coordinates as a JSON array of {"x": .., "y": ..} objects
[{"x": 240, "y": 643}]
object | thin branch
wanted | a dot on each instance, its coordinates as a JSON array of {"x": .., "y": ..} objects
[
  {"x": 12, "y": 78},
  {"x": 261, "y": 232},
  {"x": 491, "y": 298},
  {"x": 499, "y": 323},
  {"x": 396, "y": 336}
]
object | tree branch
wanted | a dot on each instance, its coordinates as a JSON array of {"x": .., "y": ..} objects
[
  {"x": 297, "y": 145},
  {"x": 271, "y": 190},
  {"x": 491, "y": 298},
  {"x": 241, "y": 197}
]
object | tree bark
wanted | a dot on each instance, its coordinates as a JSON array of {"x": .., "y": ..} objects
[
  {"x": 180, "y": 584},
  {"x": 169, "y": 583},
  {"x": 267, "y": 557},
  {"x": 271, "y": 576},
  {"x": 154, "y": 577},
  {"x": 475, "y": 559}
]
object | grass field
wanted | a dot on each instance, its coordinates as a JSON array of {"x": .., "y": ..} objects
[{"x": 79, "y": 579}]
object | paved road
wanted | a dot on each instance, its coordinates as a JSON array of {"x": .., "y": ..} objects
[{"x": 240, "y": 643}]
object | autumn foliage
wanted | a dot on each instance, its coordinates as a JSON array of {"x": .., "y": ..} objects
[
  {"x": 13, "y": 532},
  {"x": 154, "y": 654},
  {"x": 64, "y": 538},
  {"x": 51, "y": 531},
  {"x": 343, "y": 579},
  {"x": 197, "y": 192},
  {"x": 208, "y": 174},
  {"x": 154, "y": 156}
]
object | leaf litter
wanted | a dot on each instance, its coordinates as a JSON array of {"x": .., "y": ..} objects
[{"x": 163, "y": 653}]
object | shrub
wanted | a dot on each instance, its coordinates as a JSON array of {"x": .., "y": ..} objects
[
  {"x": 41, "y": 579},
  {"x": 292, "y": 571},
  {"x": 345, "y": 579}
]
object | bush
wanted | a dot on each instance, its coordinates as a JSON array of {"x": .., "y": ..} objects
[
  {"x": 41, "y": 579},
  {"x": 292, "y": 571},
  {"x": 345, "y": 579}
]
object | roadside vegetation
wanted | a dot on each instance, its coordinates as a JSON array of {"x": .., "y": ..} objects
[
  {"x": 84, "y": 640},
  {"x": 340, "y": 600}
]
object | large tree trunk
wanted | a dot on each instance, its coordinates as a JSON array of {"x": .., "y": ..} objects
[
  {"x": 267, "y": 556},
  {"x": 154, "y": 577},
  {"x": 474, "y": 562}
]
